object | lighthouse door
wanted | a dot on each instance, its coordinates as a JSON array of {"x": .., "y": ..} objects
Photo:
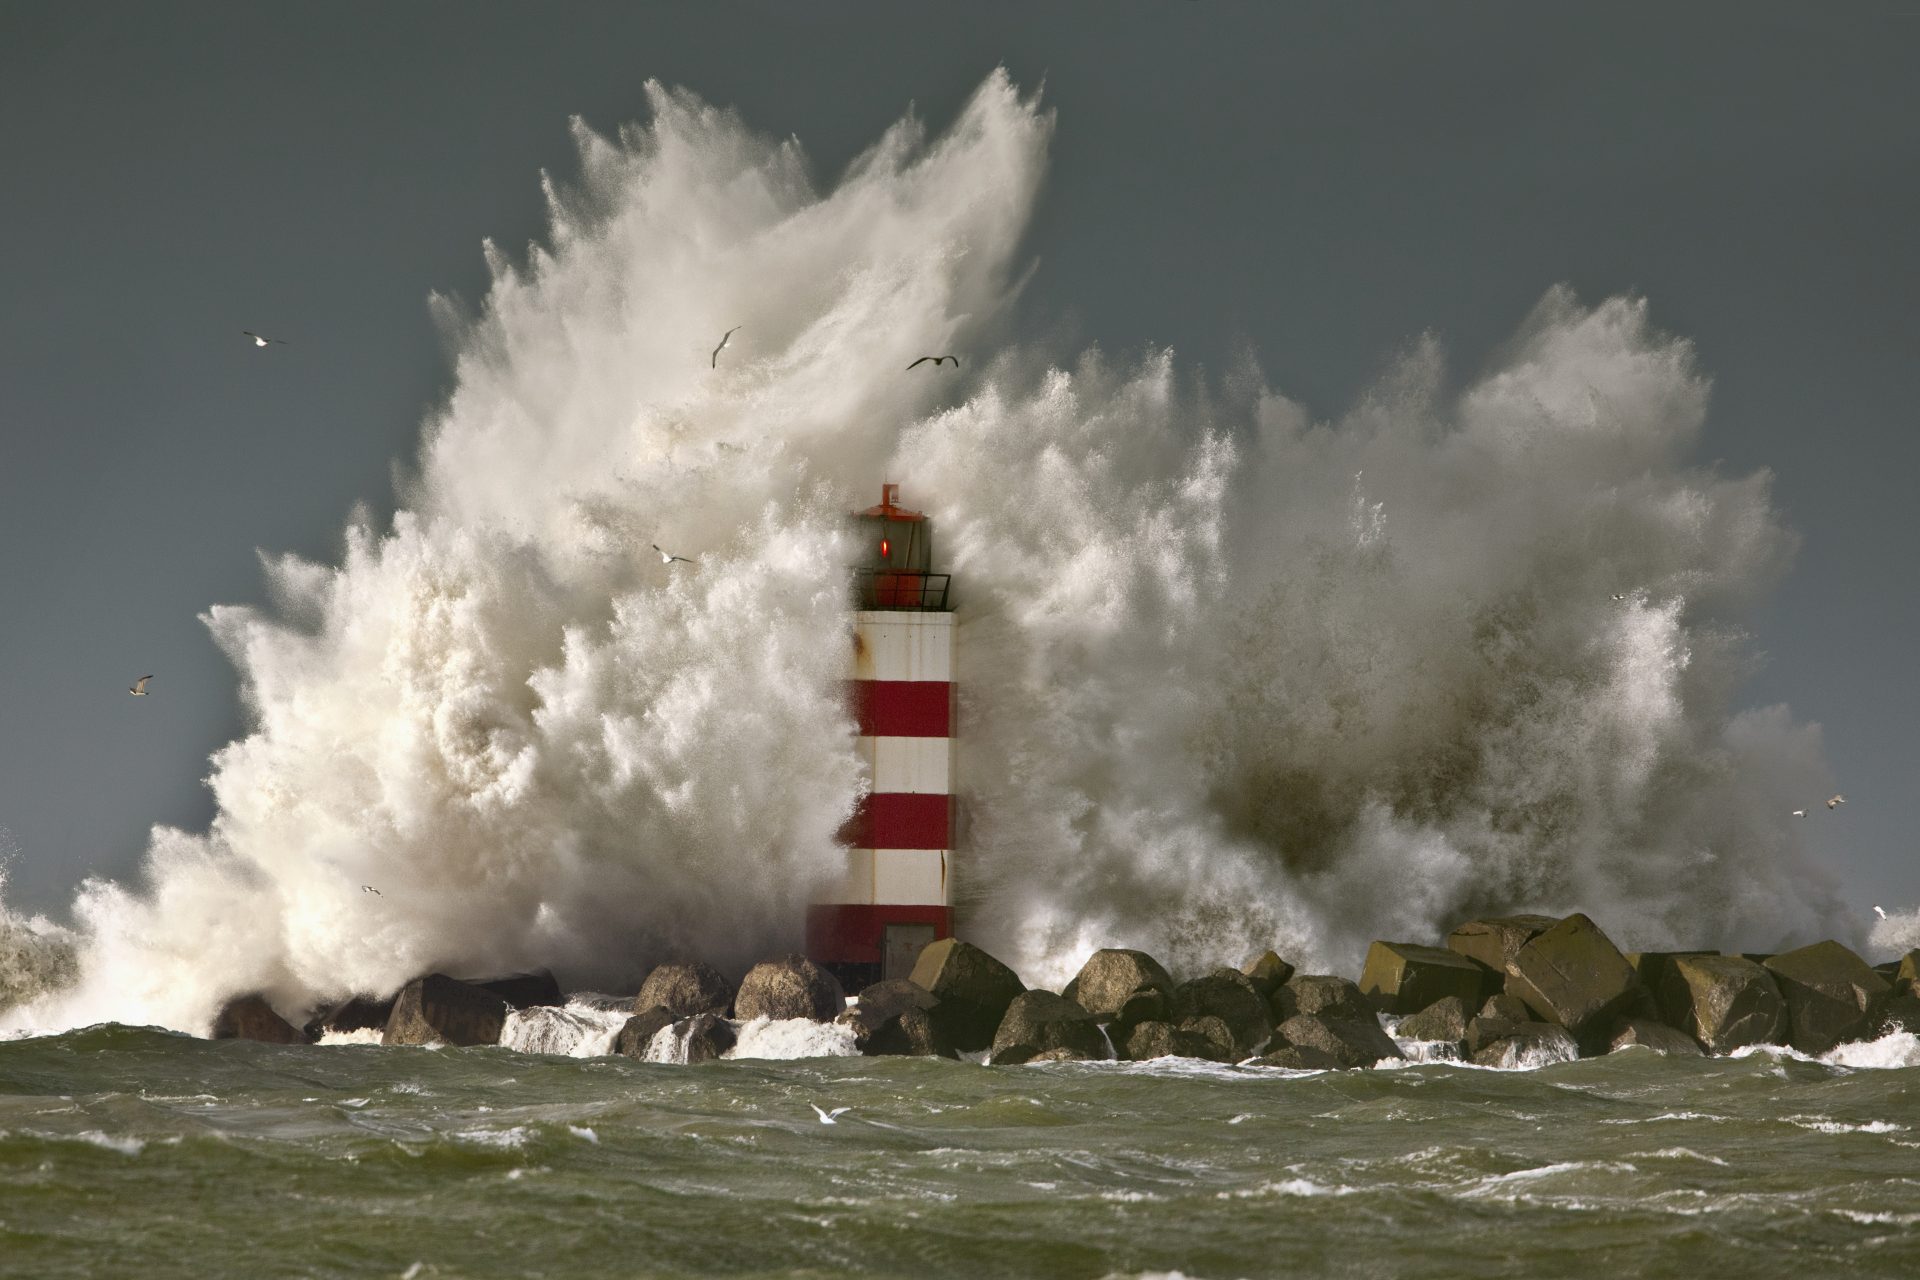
[{"x": 901, "y": 947}]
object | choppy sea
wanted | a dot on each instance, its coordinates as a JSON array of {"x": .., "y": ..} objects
[{"x": 136, "y": 1152}]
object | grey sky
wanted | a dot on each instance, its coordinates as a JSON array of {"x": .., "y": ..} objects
[{"x": 1320, "y": 182}]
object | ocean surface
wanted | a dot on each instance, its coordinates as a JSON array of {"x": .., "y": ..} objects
[{"x": 136, "y": 1152}]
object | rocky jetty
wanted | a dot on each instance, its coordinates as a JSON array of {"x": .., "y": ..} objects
[{"x": 684, "y": 990}]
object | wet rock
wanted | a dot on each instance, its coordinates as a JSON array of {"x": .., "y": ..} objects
[
  {"x": 1403, "y": 977},
  {"x": 1152, "y": 1040},
  {"x": 1832, "y": 996},
  {"x": 1123, "y": 989},
  {"x": 1657, "y": 1036},
  {"x": 1907, "y": 973},
  {"x": 897, "y": 1019},
  {"x": 975, "y": 990},
  {"x": 1351, "y": 1042},
  {"x": 437, "y": 1009},
  {"x": 1216, "y": 1036},
  {"x": 1062, "y": 1054},
  {"x": 1651, "y": 966},
  {"x": 1268, "y": 973},
  {"x": 1445, "y": 1019},
  {"x": 361, "y": 1013},
  {"x": 1574, "y": 976},
  {"x": 685, "y": 989},
  {"x": 790, "y": 987},
  {"x": 1494, "y": 942},
  {"x": 1506, "y": 1008},
  {"x": 1297, "y": 1057},
  {"x": 1489, "y": 1029},
  {"x": 1229, "y": 995},
  {"x": 252, "y": 1018},
  {"x": 639, "y": 1030},
  {"x": 1038, "y": 1022},
  {"x": 1528, "y": 1044},
  {"x": 524, "y": 990},
  {"x": 1320, "y": 995},
  {"x": 1900, "y": 1013},
  {"x": 1724, "y": 1002},
  {"x": 706, "y": 1036}
]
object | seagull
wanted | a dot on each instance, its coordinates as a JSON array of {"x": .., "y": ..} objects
[
  {"x": 1799, "y": 813},
  {"x": 1836, "y": 801},
  {"x": 1880, "y": 911},
  {"x": 669, "y": 559},
  {"x": 139, "y": 687},
  {"x": 1618, "y": 596},
  {"x": 367, "y": 888},
  {"x": 260, "y": 341},
  {"x": 715, "y": 362},
  {"x": 936, "y": 361},
  {"x": 827, "y": 1117}
]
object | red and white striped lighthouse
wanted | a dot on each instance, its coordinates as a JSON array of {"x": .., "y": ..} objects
[{"x": 895, "y": 895}]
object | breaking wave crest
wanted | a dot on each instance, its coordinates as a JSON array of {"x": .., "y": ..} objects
[{"x": 1231, "y": 676}]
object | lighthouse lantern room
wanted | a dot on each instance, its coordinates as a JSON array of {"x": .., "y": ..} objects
[{"x": 895, "y": 894}]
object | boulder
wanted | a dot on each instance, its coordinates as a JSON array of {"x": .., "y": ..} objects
[
  {"x": 1657, "y": 1036},
  {"x": 1832, "y": 995},
  {"x": 1505, "y": 1007},
  {"x": 1297, "y": 1057},
  {"x": 1901, "y": 1013},
  {"x": 1351, "y": 1042},
  {"x": 975, "y": 990},
  {"x": 1229, "y": 995},
  {"x": 524, "y": 990},
  {"x": 1494, "y": 942},
  {"x": 1038, "y": 1022},
  {"x": 1445, "y": 1019},
  {"x": 1404, "y": 977},
  {"x": 1123, "y": 989},
  {"x": 1320, "y": 995},
  {"x": 706, "y": 1036},
  {"x": 1574, "y": 976},
  {"x": 1528, "y": 1044},
  {"x": 685, "y": 989},
  {"x": 1724, "y": 1002},
  {"x": 639, "y": 1030},
  {"x": 1152, "y": 1040},
  {"x": 1488, "y": 1029},
  {"x": 897, "y": 1019},
  {"x": 1268, "y": 972},
  {"x": 1907, "y": 975},
  {"x": 252, "y": 1018},
  {"x": 360, "y": 1013},
  {"x": 1651, "y": 966},
  {"x": 1215, "y": 1035},
  {"x": 790, "y": 987},
  {"x": 437, "y": 1009}
]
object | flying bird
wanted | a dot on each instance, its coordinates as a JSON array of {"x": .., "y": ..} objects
[
  {"x": 1799, "y": 813},
  {"x": 666, "y": 558},
  {"x": 936, "y": 361},
  {"x": 1835, "y": 802},
  {"x": 726, "y": 338},
  {"x": 827, "y": 1117},
  {"x": 139, "y": 687},
  {"x": 1618, "y": 596},
  {"x": 260, "y": 341},
  {"x": 1880, "y": 911},
  {"x": 367, "y": 888}
]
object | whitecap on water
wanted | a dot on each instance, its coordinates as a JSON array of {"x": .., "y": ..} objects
[{"x": 793, "y": 1038}]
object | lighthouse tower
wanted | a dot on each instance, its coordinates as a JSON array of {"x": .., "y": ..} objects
[{"x": 895, "y": 895}]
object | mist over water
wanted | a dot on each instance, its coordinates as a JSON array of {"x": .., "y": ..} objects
[{"x": 1231, "y": 676}]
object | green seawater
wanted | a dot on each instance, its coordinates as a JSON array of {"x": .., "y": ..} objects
[{"x": 130, "y": 1152}]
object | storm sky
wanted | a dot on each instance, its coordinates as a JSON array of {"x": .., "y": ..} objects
[{"x": 1316, "y": 186}]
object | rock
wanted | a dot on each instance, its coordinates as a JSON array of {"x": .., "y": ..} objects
[
  {"x": 437, "y": 1009},
  {"x": 524, "y": 990},
  {"x": 1351, "y": 1042},
  {"x": 1403, "y": 977},
  {"x": 1657, "y": 1036},
  {"x": 1152, "y": 1040},
  {"x": 639, "y": 1030},
  {"x": 1229, "y": 995},
  {"x": 1320, "y": 995},
  {"x": 1040, "y": 1021},
  {"x": 1489, "y": 1029},
  {"x": 1574, "y": 976},
  {"x": 1215, "y": 1037},
  {"x": 1494, "y": 942},
  {"x": 1528, "y": 1044},
  {"x": 360, "y": 1013},
  {"x": 1445, "y": 1019},
  {"x": 790, "y": 987},
  {"x": 1908, "y": 973},
  {"x": 897, "y": 1019},
  {"x": 1506, "y": 1008},
  {"x": 1900, "y": 1013},
  {"x": 1122, "y": 988},
  {"x": 1724, "y": 1002},
  {"x": 1652, "y": 966},
  {"x": 252, "y": 1018},
  {"x": 1062, "y": 1054},
  {"x": 975, "y": 990},
  {"x": 706, "y": 1036},
  {"x": 685, "y": 989},
  {"x": 1832, "y": 995},
  {"x": 1268, "y": 973},
  {"x": 1297, "y": 1057}
]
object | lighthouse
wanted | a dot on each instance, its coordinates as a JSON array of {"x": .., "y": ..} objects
[{"x": 894, "y": 895}]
